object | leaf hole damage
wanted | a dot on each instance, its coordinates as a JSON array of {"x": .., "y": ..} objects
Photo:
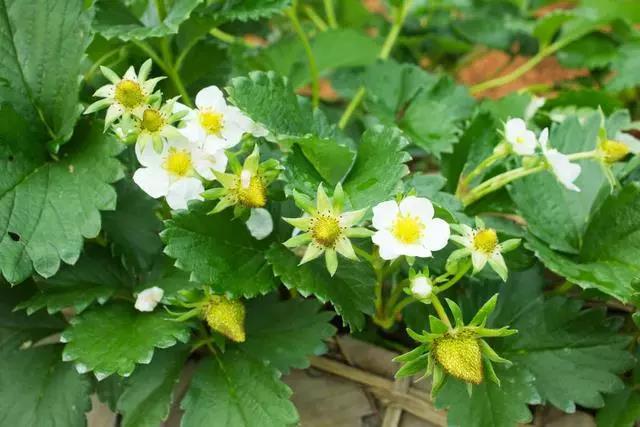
[{"x": 14, "y": 236}]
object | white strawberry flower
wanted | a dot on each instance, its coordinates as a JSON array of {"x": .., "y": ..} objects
[
  {"x": 215, "y": 124},
  {"x": 565, "y": 171},
  {"x": 421, "y": 286},
  {"x": 176, "y": 172},
  {"x": 408, "y": 228},
  {"x": 148, "y": 299},
  {"x": 483, "y": 246},
  {"x": 260, "y": 223},
  {"x": 522, "y": 140},
  {"x": 124, "y": 95}
]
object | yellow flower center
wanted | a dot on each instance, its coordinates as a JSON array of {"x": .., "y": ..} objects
[
  {"x": 614, "y": 150},
  {"x": 485, "y": 240},
  {"x": 178, "y": 162},
  {"x": 211, "y": 122},
  {"x": 129, "y": 94},
  {"x": 519, "y": 139},
  {"x": 152, "y": 120},
  {"x": 326, "y": 230},
  {"x": 226, "y": 316},
  {"x": 253, "y": 195},
  {"x": 407, "y": 229},
  {"x": 460, "y": 356}
]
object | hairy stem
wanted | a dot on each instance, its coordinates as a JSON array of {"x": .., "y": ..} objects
[
  {"x": 331, "y": 13},
  {"x": 437, "y": 305},
  {"x": 498, "y": 182}
]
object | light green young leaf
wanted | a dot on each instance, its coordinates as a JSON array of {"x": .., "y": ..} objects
[
  {"x": 350, "y": 290},
  {"x": 47, "y": 207},
  {"x": 218, "y": 250},
  {"x": 95, "y": 277},
  {"x": 115, "y": 19},
  {"x": 380, "y": 166},
  {"x": 148, "y": 393},
  {"x": 114, "y": 338},
  {"x": 42, "y": 44},
  {"x": 285, "y": 334},
  {"x": 237, "y": 390}
]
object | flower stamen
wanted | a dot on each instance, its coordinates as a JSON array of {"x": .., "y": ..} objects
[
  {"x": 326, "y": 230},
  {"x": 485, "y": 241},
  {"x": 178, "y": 162},
  {"x": 129, "y": 94},
  {"x": 152, "y": 120},
  {"x": 211, "y": 122},
  {"x": 407, "y": 229},
  {"x": 614, "y": 151},
  {"x": 253, "y": 195}
]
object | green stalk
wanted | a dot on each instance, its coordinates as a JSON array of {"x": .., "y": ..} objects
[
  {"x": 524, "y": 68},
  {"x": 482, "y": 166},
  {"x": 385, "y": 51},
  {"x": 313, "y": 69},
  {"x": 331, "y": 13},
  {"x": 455, "y": 279},
  {"x": 497, "y": 182},
  {"x": 315, "y": 18},
  {"x": 437, "y": 305}
]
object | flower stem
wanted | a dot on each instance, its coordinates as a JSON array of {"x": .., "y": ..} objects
[
  {"x": 527, "y": 66},
  {"x": 222, "y": 36},
  {"x": 315, "y": 18},
  {"x": 497, "y": 182},
  {"x": 437, "y": 305},
  {"x": 385, "y": 51},
  {"x": 313, "y": 68},
  {"x": 482, "y": 166},
  {"x": 455, "y": 279},
  {"x": 331, "y": 13}
]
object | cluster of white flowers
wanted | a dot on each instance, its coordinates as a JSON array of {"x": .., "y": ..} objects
[
  {"x": 178, "y": 148},
  {"x": 524, "y": 142}
]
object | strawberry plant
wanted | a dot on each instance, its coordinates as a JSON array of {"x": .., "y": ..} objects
[{"x": 227, "y": 184}]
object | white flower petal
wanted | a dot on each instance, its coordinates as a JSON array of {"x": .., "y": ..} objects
[
  {"x": 106, "y": 91},
  {"x": 565, "y": 171},
  {"x": 211, "y": 97},
  {"x": 513, "y": 128},
  {"x": 130, "y": 74},
  {"x": 436, "y": 234},
  {"x": 153, "y": 181},
  {"x": 479, "y": 260},
  {"x": 184, "y": 190},
  {"x": 114, "y": 111},
  {"x": 260, "y": 223},
  {"x": 417, "y": 207},
  {"x": 205, "y": 163},
  {"x": 148, "y": 299},
  {"x": 384, "y": 214},
  {"x": 630, "y": 141},
  {"x": 147, "y": 155},
  {"x": 421, "y": 286},
  {"x": 386, "y": 244},
  {"x": 193, "y": 132}
]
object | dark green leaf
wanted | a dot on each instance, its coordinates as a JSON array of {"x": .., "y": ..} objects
[
  {"x": 350, "y": 290},
  {"x": 42, "y": 44},
  {"x": 237, "y": 390},
  {"x": 285, "y": 334},
  {"x": 218, "y": 250},
  {"x": 47, "y": 207},
  {"x": 114, "y": 338}
]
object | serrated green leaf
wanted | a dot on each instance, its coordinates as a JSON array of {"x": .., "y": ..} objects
[
  {"x": 591, "y": 51},
  {"x": 330, "y": 159},
  {"x": 47, "y": 207},
  {"x": 573, "y": 354},
  {"x": 380, "y": 166},
  {"x": 95, "y": 277},
  {"x": 446, "y": 105},
  {"x": 236, "y": 390},
  {"x": 625, "y": 67},
  {"x": 270, "y": 100},
  {"x": 218, "y": 250},
  {"x": 134, "y": 228},
  {"x": 285, "y": 334},
  {"x": 620, "y": 409},
  {"x": 489, "y": 405},
  {"x": 42, "y": 44},
  {"x": 114, "y": 338},
  {"x": 554, "y": 214},
  {"x": 608, "y": 258},
  {"x": 38, "y": 390},
  {"x": 148, "y": 393},
  {"x": 115, "y": 19},
  {"x": 300, "y": 173},
  {"x": 245, "y": 10},
  {"x": 350, "y": 290}
]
